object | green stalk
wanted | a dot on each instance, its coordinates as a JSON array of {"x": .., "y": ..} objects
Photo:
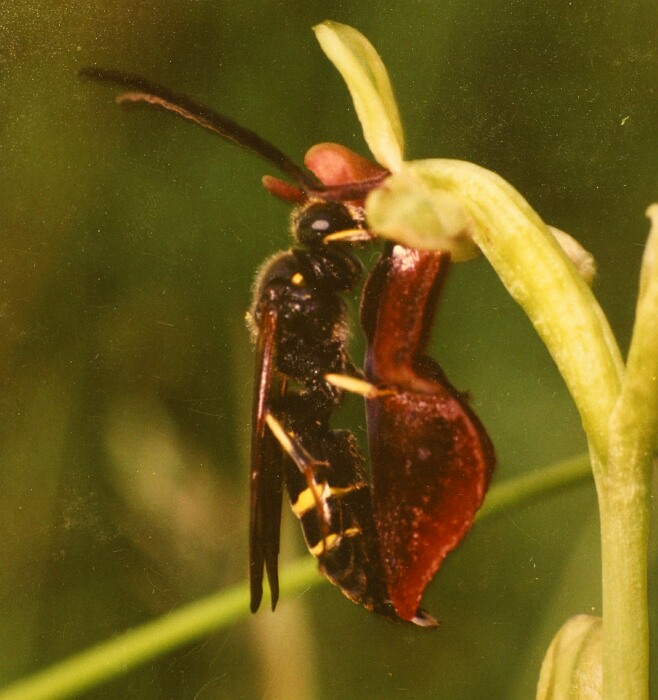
[
  {"x": 623, "y": 507},
  {"x": 624, "y": 497}
]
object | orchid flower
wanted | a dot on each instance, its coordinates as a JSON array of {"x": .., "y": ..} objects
[{"x": 464, "y": 208}]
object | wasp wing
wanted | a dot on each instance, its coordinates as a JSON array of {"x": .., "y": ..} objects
[{"x": 266, "y": 480}]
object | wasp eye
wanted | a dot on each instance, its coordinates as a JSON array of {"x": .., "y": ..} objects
[
  {"x": 320, "y": 224},
  {"x": 317, "y": 220}
]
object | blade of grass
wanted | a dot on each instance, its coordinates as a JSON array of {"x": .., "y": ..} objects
[{"x": 113, "y": 658}]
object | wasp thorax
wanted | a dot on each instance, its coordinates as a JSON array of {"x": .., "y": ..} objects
[{"x": 312, "y": 223}]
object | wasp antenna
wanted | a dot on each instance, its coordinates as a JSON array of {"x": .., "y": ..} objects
[{"x": 141, "y": 90}]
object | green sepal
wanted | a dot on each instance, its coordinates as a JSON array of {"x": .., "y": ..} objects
[{"x": 367, "y": 80}]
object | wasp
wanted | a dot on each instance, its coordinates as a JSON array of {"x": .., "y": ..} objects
[{"x": 379, "y": 540}]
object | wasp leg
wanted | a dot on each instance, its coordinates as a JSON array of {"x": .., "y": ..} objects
[
  {"x": 358, "y": 386},
  {"x": 316, "y": 493},
  {"x": 293, "y": 447}
]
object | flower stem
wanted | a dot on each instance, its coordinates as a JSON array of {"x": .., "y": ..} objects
[
  {"x": 624, "y": 497},
  {"x": 623, "y": 508}
]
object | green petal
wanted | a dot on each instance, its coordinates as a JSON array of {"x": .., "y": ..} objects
[{"x": 367, "y": 80}]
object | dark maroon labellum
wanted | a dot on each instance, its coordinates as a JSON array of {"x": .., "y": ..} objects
[{"x": 431, "y": 457}]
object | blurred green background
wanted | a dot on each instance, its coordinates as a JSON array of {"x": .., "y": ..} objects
[{"x": 128, "y": 244}]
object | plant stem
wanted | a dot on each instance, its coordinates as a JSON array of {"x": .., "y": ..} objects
[
  {"x": 624, "y": 508},
  {"x": 624, "y": 497}
]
